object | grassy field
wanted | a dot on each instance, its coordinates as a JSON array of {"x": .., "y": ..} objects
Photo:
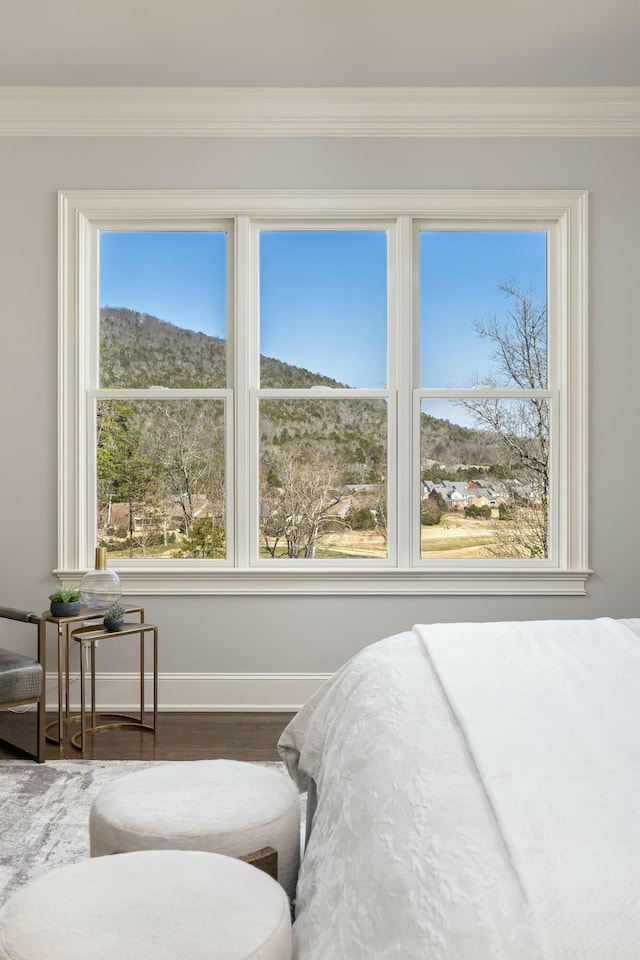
[
  {"x": 455, "y": 537},
  {"x": 459, "y": 537}
]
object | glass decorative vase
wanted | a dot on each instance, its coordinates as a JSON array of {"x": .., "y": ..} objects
[{"x": 100, "y": 588}]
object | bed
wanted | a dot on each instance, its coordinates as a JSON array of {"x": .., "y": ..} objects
[{"x": 478, "y": 796}]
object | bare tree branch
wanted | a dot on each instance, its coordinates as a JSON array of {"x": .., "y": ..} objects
[
  {"x": 297, "y": 508},
  {"x": 521, "y": 425}
]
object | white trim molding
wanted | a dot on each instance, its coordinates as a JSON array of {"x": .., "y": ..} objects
[
  {"x": 507, "y": 582},
  {"x": 561, "y": 213},
  {"x": 320, "y": 111},
  {"x": 196, "y": 692}
]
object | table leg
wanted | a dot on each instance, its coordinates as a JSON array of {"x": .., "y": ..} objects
[
  {"x": 155, "y": 678},
  {"x": 93, "y": 684},
  {"x": 141, "y": 676},
  {"x": 67, "y": 697},
  {"x": 60, "y": 685},
  {"x": 82, "y": 703}
]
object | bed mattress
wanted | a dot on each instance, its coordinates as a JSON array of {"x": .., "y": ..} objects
[{"x": 411, "y": 855}]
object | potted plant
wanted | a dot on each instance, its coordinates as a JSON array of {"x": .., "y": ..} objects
[
  {"x": 114, "y": 617},
  {"x": 65, "y": 602}
]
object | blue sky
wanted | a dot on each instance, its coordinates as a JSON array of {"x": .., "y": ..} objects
[
  {"x": 460, "y": 274},
  {"x": 323, "y": 302},
  {"x": 323, "y": 293},
  {"x": 176, "y": 276}
]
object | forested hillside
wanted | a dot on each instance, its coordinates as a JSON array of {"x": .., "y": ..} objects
[
  {"x": 323, "y": 465},
  {"x": 139, "y": 350}
]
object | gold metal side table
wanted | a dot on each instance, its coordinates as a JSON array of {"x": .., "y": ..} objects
[
  {"x": 90, "y": 636},
  {"x": 63, "y": 626}
]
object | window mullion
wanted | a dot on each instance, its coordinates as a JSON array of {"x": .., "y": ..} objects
[
  {"x": 88, "y": 334},
  {"x": 402, "y": 318},
  {"x": 244, "y": 337}
]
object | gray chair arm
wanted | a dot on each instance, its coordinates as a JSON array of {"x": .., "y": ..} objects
[{"x": 9, "y": 613}]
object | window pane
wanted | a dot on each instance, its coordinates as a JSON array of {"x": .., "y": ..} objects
[
  {"x": 323, "y": 470},
  {"x": 484, "y": 479},
  {"x": 483, "y": 309},
  {"x": 161, "y": 478},
  {"x": 323, "y": 308},
  {"x": 163, "y": 308}
]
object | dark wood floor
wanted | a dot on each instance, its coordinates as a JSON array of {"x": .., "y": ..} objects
[{"x": 180, "y": 736}]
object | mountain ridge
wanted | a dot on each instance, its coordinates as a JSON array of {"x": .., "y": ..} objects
[
  {"x": 129, "y": 337},
  {"x": 139, "y": 350}
]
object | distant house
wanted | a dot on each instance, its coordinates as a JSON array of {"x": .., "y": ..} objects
[
  {"x": 526, "y": 495},
  {"x": 165, "y": 516},
  {"x": 458, "y": 494}
]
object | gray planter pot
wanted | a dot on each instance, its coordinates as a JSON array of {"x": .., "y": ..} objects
[{"x": 65, "y": 608}]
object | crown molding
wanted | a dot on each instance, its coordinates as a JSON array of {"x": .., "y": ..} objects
[{"x": 320, "y": 111}]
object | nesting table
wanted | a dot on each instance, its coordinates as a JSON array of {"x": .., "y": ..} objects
[
  {"x": 88, "y": 635},
  {"x": 88, "y": 638}
]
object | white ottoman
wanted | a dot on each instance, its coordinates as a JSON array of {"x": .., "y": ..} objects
[
  {"x": 154, "y": 905},
  {"x": 223, "y": 806}
]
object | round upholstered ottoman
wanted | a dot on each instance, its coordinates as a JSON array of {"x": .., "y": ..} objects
[
  {"x": 223, "y": 806},
  {"x": 153, "y": 905}
]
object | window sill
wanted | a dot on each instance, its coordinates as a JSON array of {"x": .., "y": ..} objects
[{"x": 191, "y": 582}]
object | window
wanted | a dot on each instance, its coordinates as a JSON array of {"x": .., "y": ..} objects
[
  {"x": 484, "y": 335},
  {"x": 317, "y": 392}
]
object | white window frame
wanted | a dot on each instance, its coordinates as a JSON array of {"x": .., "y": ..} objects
[
  {"x": 563, "y": 213},
  {"x": 255, "y": 393}
]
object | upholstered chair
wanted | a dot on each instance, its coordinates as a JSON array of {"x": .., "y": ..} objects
[{"x": 22, "y": 679}]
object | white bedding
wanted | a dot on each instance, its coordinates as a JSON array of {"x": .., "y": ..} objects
[{"x": 415, "y": 851}]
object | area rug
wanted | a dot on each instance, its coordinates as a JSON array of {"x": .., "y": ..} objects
[{"x": 44, "y": 813}]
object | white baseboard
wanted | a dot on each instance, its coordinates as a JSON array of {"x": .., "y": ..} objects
[{"x": 192, "y": 692}]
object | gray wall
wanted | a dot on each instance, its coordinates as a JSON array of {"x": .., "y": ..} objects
[
  {"x": 311, "y": 634},
  {"x": 319, "y": 42}
]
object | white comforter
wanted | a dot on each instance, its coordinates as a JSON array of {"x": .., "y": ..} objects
[{"x": 477, "y": 786}]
